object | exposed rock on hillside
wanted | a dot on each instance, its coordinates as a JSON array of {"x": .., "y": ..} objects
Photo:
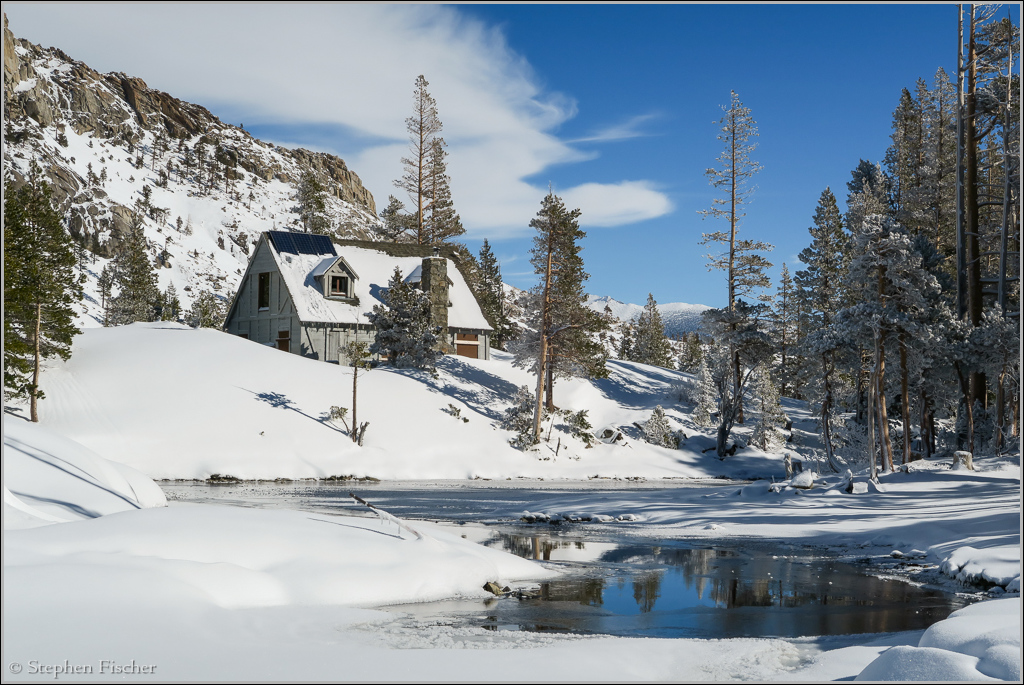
[{"x": 114, "y": 149}]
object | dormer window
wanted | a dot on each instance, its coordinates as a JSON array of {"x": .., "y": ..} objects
[{"x": 339, "y": 286}]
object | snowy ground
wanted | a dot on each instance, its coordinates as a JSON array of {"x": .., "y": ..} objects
[{"x": 96, "y": 567}]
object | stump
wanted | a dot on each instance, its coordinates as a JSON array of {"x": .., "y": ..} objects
[{"x": 963, "y": 460}]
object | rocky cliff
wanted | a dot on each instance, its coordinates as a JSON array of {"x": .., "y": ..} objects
[{"x": 115, "y": 150}]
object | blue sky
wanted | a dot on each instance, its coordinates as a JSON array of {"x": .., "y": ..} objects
[{"x": 613, "y": 105}]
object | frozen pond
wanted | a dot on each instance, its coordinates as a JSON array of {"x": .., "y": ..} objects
[{"x": 619, "y": 580}]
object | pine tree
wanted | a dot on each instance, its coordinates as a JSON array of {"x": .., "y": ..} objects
[
  {"x": 40, "y": 287},
  {"x": 492, "y": 298},
  {"x": 657, "y": 430},
  {"x": 106, "y": 284},
  {"x": 208, "y": 311},
  {"x": 397, "y": 223},
  {"x": 692, "y": 354},
  {"x": 312, "y": 199},
  {"x": 442, "y": 221},
  {"x": 171, "y": 306},
  {"x": 768, "y": 430},
  {"x": 703, "y": 395},
  {"x": 424, "y": 128},
  {"x": 784, "y": 328},
  {"x": 404, "y": 332},
  {"x": 650, "y": 345},
  {"x": 741, "y": 260},
  {"x": 518, "y": 418},
  {"x": 138, "y": 297},
  {"x": 626, "y": 344},
  {"x": 822, "y": 284}
]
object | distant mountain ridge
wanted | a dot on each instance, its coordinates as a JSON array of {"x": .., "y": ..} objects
[{"x": 678, "y": 317}]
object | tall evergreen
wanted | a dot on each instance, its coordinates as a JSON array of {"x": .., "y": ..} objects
[
  {"x": 822, "y": 285},
  {"x": 424, "y": 127},
  {"x": 492, "y": 298},
  {"x": 560, "y": 343},
  {"x": 784, "y": 331},
  {"x": 741, "y": 259},
  {"x": 138, "y": 298},
  {"x": 650, "y": 346},
  {"x": 40, "y": 288},
  {"x": 442, "y": 221}
]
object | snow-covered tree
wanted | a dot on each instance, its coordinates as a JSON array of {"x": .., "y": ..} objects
[
  {"x": 703, "y": 395},
  {"x": 692, "y": 354},
  {"x": 768, "y": 432},
  {"x": 519, "y": 417},
  {"x": 657, "y": 430},
  {"x": 650, "y": 346},
  {"x": 207, "y": 311},
  {"x": 404, "y": 331},
  {"x": 559, "y": 342}
]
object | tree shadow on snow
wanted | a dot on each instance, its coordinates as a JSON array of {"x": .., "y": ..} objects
[
  {"x": 480, "y": 390},
  {"x": 282, "y": 401},
  {"x": 636, "y": 386}
]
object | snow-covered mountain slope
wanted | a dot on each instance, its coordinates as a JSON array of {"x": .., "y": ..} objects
[
  {"x": 678, "y": 317},
  {"x": 113, "y": 149}
]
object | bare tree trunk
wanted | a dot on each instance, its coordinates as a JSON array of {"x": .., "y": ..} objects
[
  {"x": 884, "y": 441},
  {"x": 905, "y": 396},
  {"x": 34, "y": 394},
  {"x": 355, "y": 419},
  {"x": 545, "y": 331},
  {"x": 871, "y": 427}
]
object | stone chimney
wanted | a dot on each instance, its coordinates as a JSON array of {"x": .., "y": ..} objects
[{"x": 434, "y": 281}]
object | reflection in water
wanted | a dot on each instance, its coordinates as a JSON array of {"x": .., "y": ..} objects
[{"x": 678, "y": 591}]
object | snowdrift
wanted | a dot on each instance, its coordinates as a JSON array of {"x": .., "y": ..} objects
[{"x": 176, "y": 403}]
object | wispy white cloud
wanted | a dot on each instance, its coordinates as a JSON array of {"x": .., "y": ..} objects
[
  {"x": 622, "y": 131},
  {"x": 353, "y": 66}
]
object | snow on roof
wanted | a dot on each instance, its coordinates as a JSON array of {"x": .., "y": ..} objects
[
  {"x": 322, "y": 268},
  {"x": 375, "y": 267}
]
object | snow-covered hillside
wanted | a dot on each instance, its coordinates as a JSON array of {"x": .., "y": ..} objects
[
  {"x": 112, "y": 149},
  {"x": 175, "y": 402},
  {"x": 678, "y": 317}
]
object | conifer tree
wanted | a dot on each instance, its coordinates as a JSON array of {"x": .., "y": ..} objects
[
  {"x": 768, "y": 430},
  {"x": 692, "y": 354},
  {"x": 784, "y": 331},
  {"x": 312, "y": 199},
  {"x": 492, "y": 298},
  {"x": 703, "y": 395},
  {"x": 741, "y": 259},
  {"x": 822, "y": 285},
  {"x": 442, "y": 221},
  {"x": 424, "y": 128},
  {"x": 171, "y": 306},
  {"x": 560, "y": 345},
  {"x": 207, "y": 311},
  {"x": 40, "y": 287},
  {"x": 650, "y": 345},
  {"x": 657, "y": 430},
  {"x": 404, "y": 331},
  {"x": 138, "y": 297},
  {"x": 397, "y": 223}
]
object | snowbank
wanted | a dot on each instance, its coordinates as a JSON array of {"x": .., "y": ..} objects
[
  {"x": 979, "y": 642},
  {"x": 50, "y": 479},
  {"x": 174, "y": 402}
]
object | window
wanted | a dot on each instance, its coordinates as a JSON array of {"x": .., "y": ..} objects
[
  {"x": 284, "y": 340},
  {"x": 339, "y": 286},
  {"x": 264, "y": 291}
]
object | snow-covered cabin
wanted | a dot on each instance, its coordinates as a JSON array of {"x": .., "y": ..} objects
[{"x": 307, "y": 295}]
